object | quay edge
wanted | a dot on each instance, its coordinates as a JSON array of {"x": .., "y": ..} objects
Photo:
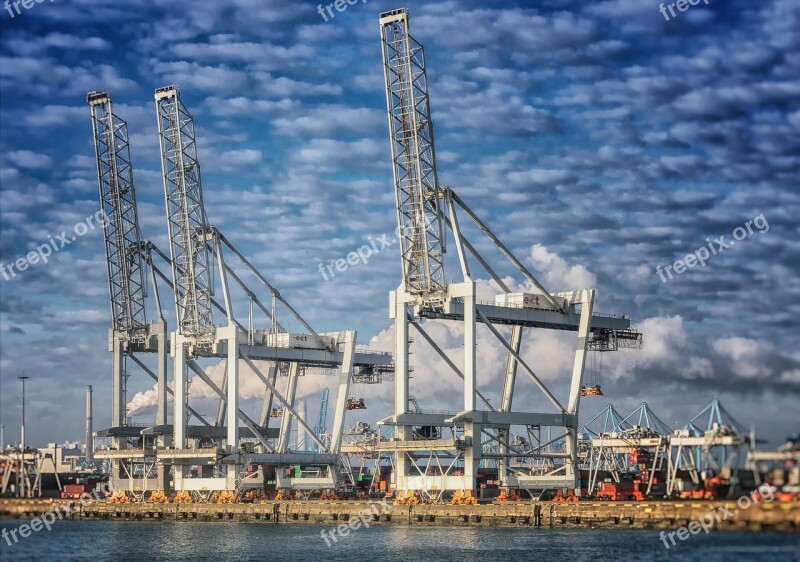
[{"x": 773, "y": 516}]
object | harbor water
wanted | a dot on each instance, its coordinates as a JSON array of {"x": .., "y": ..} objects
[{"x": 69, "y": 541}]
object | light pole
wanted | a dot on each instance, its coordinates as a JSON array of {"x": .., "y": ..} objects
[{"x": 23, "y": 472}]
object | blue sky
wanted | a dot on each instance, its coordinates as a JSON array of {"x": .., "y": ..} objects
[{"x": 598, "y": 139}]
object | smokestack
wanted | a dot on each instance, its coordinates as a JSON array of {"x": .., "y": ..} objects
[{"x": 89, "y": 440}]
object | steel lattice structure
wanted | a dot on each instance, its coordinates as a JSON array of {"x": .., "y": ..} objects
[
  {"x": 424, "y": 209},
  {"x": 121, "y": 225},
  {"x": 186, "y": 218},
  {"x": 414, "y": 160},
  {"x": 127, "y": 260},
  {"x": 197, "y": 252}
]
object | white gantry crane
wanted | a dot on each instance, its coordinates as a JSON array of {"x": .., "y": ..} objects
[
  {"x": 195, "y": 247},
  {"x": 425, "y": 210},
  {"x": 192, "y": 277},
  {"x": 127, "y": 258},
  {"x": 143, "y": 455}
]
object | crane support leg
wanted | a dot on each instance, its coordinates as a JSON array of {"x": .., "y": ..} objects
[
  {"x": 508, "y": 396},
  {"x": 117, "y": 399},
  {"x": 179, "y": 410},
  {"x": 466, "y": 291},
  {"x": 398, "y": 311},
  {"x": 345, "y": 377},
  {"x": 231, "y": 334},
  {"x": 117, "y": 382},
  {"x": 581, "y": 348},
  {"x": 161, "y": 398},
  {"x": 286, "y": 421},
  {"x": 161, "y": 382},
  {"x": 266, "y": 407}
]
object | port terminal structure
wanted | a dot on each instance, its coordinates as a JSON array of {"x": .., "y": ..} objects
[
  {"x": 640, "y": 446},
  {"x": 639, "y": 441},
  {"x": 721, "y": 446},
  {"x": 158, "y": 456},
  {"x": 424, "y": 463}
]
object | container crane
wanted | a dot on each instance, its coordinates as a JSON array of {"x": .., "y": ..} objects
[
  {"x": 195, "y": 249},
  {"x": 192, "y": 275},
  {"x": 700, "y": 452},
  {"x": 127, "y": 258},
  {"x": 425, "y": 210},
  {"x": 199, "y": 254}
]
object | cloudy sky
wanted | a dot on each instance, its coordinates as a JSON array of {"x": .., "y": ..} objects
[{"x": 599, "y": 139}]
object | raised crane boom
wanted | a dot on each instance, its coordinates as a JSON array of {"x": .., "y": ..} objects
[
  {"x": 186, "y": 216},
  {"x": 121, "y": 225},
  {"x": 417, "y": 193}
]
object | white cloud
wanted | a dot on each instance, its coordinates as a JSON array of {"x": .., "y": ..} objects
[
  {"x": 558, "y": 274},
  {"x": 28, "y": 159}
]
